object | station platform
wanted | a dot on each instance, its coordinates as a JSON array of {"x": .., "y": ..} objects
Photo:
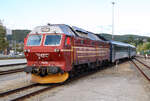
[{"x": 12, "y": 62}]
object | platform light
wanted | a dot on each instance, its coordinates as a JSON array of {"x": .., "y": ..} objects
[{"x": 113, "y": 3}]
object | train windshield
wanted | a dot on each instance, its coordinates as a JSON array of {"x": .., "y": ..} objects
[
  {"x": 52, "y": 40},
  {"x": 34, "y": 40}
]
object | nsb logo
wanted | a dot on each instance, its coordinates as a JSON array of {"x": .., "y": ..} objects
[{"x": 42, "y": 55}]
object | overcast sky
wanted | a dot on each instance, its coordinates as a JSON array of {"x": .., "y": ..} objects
[{"x": 131, "y": 16}]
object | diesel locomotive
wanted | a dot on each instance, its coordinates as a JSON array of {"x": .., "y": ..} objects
[{"x": 55, "y": 51}]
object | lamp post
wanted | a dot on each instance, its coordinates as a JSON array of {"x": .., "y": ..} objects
[{"x": 113, "y": 3}]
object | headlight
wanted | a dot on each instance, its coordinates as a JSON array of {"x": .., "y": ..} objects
[
  {"x": 26, "y": 50},
  {"x": 56, "y": 50}
]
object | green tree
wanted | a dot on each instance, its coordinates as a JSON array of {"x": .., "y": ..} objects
[
  {"x": 130, "y": 39},
  {"x": 148, "y": 39},
  {"x": 3, "y": 41},
  {"x": 139, "y": 48},
  {"x": 140, "y": 41},
  {"x": 146, "y": 46}
]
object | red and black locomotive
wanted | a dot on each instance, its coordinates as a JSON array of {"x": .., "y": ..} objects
[{"x": 56, "y": 50}]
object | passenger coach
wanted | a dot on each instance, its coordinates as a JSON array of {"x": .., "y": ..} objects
[{"x": 120, "y": 50}]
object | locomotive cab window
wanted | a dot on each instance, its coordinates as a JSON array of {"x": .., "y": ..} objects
[
  {"x": 34, "y": 40},
  {"x": 52, "y": 40}
]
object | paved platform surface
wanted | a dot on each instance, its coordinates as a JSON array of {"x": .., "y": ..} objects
[
  {"x": 122, "y": 83},
  {"x": 12, "y": 61}
]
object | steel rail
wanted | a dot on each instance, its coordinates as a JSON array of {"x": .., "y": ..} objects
[
  {"x": 11, "y": 71},
  {"x": 35, "y": 93},
  {"x": 3, "y": 94},
  {"x": 141, "y": 70},
  {"x": 142, "y": 63}
]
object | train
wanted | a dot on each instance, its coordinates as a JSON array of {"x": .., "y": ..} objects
[{"x": 55, "y": 52}]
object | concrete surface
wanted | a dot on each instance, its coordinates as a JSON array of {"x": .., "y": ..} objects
[{"x": 122, "y": 83}]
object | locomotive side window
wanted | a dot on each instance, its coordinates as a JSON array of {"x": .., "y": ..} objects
[
  {"x": 67, "y": 30},
  {"x": 34, "y": 40},
  {"x": 52, "y": 40},
  {"x": 92, "y": 36},
  {"x": 82, "y": 41},
  {"x": 68, "y": 41}
]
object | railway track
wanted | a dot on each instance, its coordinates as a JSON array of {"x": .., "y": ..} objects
[
  {"x": 5, "y": 95},
  {"x": 48, "y": 87},
  {"x": 141, "y": 70},
  {"x": 16, "y": 90},
  {"x": 36, "y": 92},
  {"x": 11, "y": 71},
  {"x": 12, "y": 95},
  {"x": 21, "y": 98}
]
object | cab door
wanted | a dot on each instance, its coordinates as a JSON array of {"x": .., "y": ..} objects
[{"x": 68, "y": 52}]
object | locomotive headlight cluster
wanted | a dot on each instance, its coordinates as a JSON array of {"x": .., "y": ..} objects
[
  {"x": 56, "y": 50},
  {"x": 27, "y": 50}
]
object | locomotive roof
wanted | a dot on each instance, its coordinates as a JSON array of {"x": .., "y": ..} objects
[
  {"x": 63, "y": 28},
  {"x": 53, "y": 28},
  {"x": 80, "y": 29},
  {"x": 101, "y": 37},
  {"x": 86, "y": 34}
]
